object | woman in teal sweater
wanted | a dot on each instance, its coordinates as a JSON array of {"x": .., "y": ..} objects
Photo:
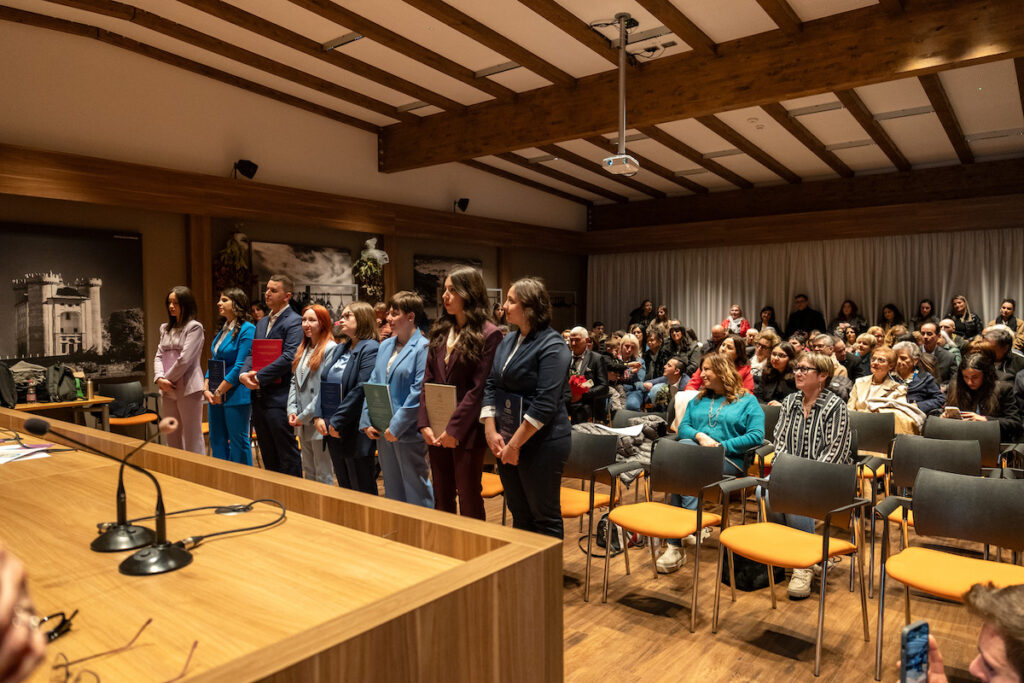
[{"x": 722, "y": 414}]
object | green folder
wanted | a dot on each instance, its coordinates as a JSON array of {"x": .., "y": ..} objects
[{"x": 378, "y": 405}]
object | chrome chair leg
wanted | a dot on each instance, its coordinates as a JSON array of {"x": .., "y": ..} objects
[
  {"x": 607, "y": 557},
  {"x": 696, "y": 579},
  {"x": 771, "y": 584},
  {"x": 821, "y": 616},
  {"x": 881, "y": 622},
  {"x": 718, "y": 587},
  {"x": 590, "y": 544},
  {"x": 654, "y": 559}
]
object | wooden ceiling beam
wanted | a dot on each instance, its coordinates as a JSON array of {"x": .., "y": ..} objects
[
  {"x": 575, "y": 27},
  {"x": 502, "y": 173},
  {"x": 944, "y": 110},
  {"x": 677, "y": 22},
  {"x": 154, "y": 22},
  {"x": 1018, "y": 66},
  {"x": 726, "y": 132},
  {"x": 562, "y": 177},
  {"x": 648, "y": 164},
  {"x": 682, "y": 149},
  {"x": 867, "y": 121},
  {"x": 782, "y": 14},
  {"x": 279, "y": 34},
  {"x": 849, "y": 50},
  {"x": 595, "y": 167},
  {"x": 491, "y": 39},
  {"x": 800, "y": 132},
  {"x": 399, "y": 43},
  {"x": 117, "y": 40}
]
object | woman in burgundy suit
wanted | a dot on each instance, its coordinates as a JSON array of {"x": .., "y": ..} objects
[{"x": 462, "y": 345}]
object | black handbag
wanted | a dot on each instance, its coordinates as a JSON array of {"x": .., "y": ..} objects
[{"x": 750, "y": 575}]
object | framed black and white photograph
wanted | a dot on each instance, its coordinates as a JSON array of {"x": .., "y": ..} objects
[
  {"x": 76, "y": 297},
  {"x": 322, "y": 275},
  {"x": 429, "y": 273}
]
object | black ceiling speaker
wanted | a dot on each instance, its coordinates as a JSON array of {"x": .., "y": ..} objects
[
  {"x": 462, "y": 204},
  {"x": 246, "y": 168}
]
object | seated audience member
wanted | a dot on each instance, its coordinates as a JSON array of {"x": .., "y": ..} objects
[
  {"x": 945, "y": 362},
  {"x": 848, "y": 359},
  {"x": 803, "y": 319},
  {"x": 736, "y": 323},
  {"x": 656, "y": 353},
  {"x": 611, "y": 347},
  {"x": 847, "y": 317},
  {"x": 565, "y": 335},
  {"x": 733, "y": 347},
  {"x": 763, "y": 345},
  {"x": 642, "y": 315},
  {"x": 980, "y": 396},
  {"x": 661, "y": 316},
  {"x": 1006, "y": 316},
  {"x": 722, "y": 414},
  {"x": 750, "y": 338},
  {"x": 813, "y": 423},
  {"x": 897, "y": 333},
  {"x": 881, "y": 385},
  {"x": 866, "y": 343},
  {"x": 777, "y": 381},
  {"x": 259, "y": 310},
  {"x": 798, "y": 341},
  {"x": 597, "y": 329},
  {"x": 380, "y": 312},
  {"x": 922, "y": 389},
  {"x": 968, "y": 325},
  {"x": 952, "y": 341},
  {"x": 640, "y": 332},
  {"x": 615, "y": 370},
  {"x": 925, "y": 314},
  {"x": 890, "y": 317},
  {"x": 1008, "y": 364},
  {"x": 718, "y": 333},
  {"x": 634, "y": 373},
  {"x": 878, "y": 333},
  {"x": 589, "y": 365},
  {"x": 825, "y": 345},
  {"x": 663, "y": 390},
  {"x": 767, "y": 320},
  {"x": 850, "y": 337}
]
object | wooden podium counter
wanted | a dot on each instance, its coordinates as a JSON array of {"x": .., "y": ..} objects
[{"x": 350, "y": 587}]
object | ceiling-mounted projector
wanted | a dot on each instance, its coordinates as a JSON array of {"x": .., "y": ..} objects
[{"x": 621, "y": 164}]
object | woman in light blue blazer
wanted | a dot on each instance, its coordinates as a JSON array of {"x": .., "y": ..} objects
[
  {"x": 229, "y": 402},
  {"x": 304, "y": 393},
  {"x": 401, "y": 361}
]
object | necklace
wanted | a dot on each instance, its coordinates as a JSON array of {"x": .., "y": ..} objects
[{"x": 713, "y": 419}]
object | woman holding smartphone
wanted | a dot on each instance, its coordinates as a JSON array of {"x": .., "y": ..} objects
[{"x": 229, "y": 402}]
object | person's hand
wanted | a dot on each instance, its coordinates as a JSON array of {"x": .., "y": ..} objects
[
  {"x": 388, "y": 436},
  {"x": 249, "y": 379},
  {"x": 973, "y": 417},
  {"x": 705, "y": 440},
  {"x": 333, "y": 432},
  {"x": 509, "y": 455},
  {"x": 774, "y": 403},
  {"x": 936, "y": 669},
  {"x": 447, "y": 440},
  {"x": 372, "y": 433},
  {"x": 165, "y": 384},
  {"x": 22, "y": 644},
  {"x": 293, "y": 420},
  {"x": 648, "y": 385},
  {"x": 320, "y": 426},
  {"x": 428, "y": 436},
  {"x": 495, "y": 442},
  {"x": 210, "y": 398}
]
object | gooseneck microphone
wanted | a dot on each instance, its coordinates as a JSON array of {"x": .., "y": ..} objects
[{"x": 161, "y": 556}]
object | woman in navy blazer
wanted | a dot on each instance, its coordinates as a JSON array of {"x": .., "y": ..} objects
[
  {"x": 400, "y": 363},
  {"x": 531, "y": 363},
  {"x": 349, "y": 365},
  {"x": 462, "y": 345},
  {"x": 229, "y": 403}
]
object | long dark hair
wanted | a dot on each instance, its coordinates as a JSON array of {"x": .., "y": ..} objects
[
  {"x": 186, "y": 307},
  {"x": 772, "y": 323},
  {"x": 240, "y": 305},
  {"x": 977, "y": 356},
  {"x": 741, "y": 350},
  {"x": 770, "y": 374},
  {"x": 842, "y": 317},
  {"x": 468, "y": 283}
]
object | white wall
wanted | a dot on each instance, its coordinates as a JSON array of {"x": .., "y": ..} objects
[{"x": 73, "y": 94}]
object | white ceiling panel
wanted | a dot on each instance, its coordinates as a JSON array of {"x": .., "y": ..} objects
[
  {"x": 922, "y": 139},
  {"x": 748, "y": 168},
  {"x": 537, "y": 177},
  {"x": 695, "y": 135},
  {"x": 809, "y": 10},
  {"x": 768, "y": 134},
  {"x": 292, "y": 17},
  {"x": 1012, "y": 145},
  {"x": 865, "y": 159},
  {"x": 596, "y": 177},
  {"x": 596, "y": 154},
  {"x": 810, "y": 101},
  {"x": 662, "y": 155},
  {"x": 520, "y": 80},
  {"x": 725, "y": 20},
  {"x": 427, "y": 111},
  {"x": 984, "y": 97},
  {"x": 905, "y": 93},
  {"x": 833, "y": 127}
]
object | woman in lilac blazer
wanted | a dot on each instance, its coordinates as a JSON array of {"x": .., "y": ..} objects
[
  {"x": 176, "y": 370},
  {"x": 462, "y": 344}
]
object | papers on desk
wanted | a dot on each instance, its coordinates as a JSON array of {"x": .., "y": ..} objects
[
  {"x": 633, "y": 430},
  {"x": 441, "y": 401},
  {"x": 28, "y": 452}
]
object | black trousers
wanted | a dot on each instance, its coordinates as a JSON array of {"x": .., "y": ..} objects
[
  {"x": 355, "y": 473},
  {"x": 531, "y": 487},
  {"x": 277, "y": 442}
]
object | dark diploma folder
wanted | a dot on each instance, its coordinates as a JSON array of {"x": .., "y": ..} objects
[
  {"x": 508, "y": 413},
  {"x": 215, "y": 373},
  {"x": 330, "y": 399}
]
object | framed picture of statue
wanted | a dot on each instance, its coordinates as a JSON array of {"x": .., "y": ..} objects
[
  {"x": 73, "y": 296},
  {"x": 322, "y": 275}
]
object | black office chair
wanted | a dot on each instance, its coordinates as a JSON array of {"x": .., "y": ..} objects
[
  {"x": 132, "y": 406},
  {"x": 985, "y": 433}
]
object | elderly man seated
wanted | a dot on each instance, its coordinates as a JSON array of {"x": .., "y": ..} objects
[
  {"x": 946, "y": 362},
  {"x": 1008, "y": 364},
  {"x": 590, "y": 366}
]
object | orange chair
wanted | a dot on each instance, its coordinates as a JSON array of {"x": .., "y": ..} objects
[
  {"x": 491, "y": 486},
  {"x": 127, "y": 395}
]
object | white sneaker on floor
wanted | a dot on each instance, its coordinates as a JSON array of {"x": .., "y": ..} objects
[
  {"x": 705, "y": 534},
  {"x": 800, "y": 584},
  {"x": 831, "y": 565},
  {"x": 672, "y": 559}
]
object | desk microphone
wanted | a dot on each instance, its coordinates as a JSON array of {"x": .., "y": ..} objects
[{"x": 161, "y": 556}]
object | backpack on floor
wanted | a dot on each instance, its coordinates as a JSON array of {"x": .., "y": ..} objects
[{"x": 750, "y": 575}]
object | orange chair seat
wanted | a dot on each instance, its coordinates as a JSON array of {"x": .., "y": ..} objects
[
  {"x": 947, "y": 575},
  {"x": 781, "y": 546},
  {"x": 206, "y": 428},
  {"x": 897, "y": 516},
  {"x": 659, "y": 520},
  {"x": 754, "y": 470},
  {"x": 576, "y": 502},
  {"x": 865, "y": 473},
  {"x": 490, "y": 485},
  {"x": 145, "y": 418}
]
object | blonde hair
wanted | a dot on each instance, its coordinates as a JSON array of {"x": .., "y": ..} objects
[
  {"x": 725, "y": 369},
  {"x": 630, "y": 339}
]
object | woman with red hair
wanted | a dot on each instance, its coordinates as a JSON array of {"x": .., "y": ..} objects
[{"x": 304, "y": 394}]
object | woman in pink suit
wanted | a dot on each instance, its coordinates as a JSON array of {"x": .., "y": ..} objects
[
  {"x": 462, "y": 345},
  {"x": 176, "y": 370}
]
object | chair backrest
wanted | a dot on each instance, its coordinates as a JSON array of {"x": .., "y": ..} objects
[
  {"x": 771, "y": 418},
  {"x": 801, "y": 486},
  {"x": 875, "y": 431},
  {"x": 622, "y": 416},
  {"x": 589, "y": 452},
  {"x": 124, "y": 395},
  {"x": 910, "y": 453},
  {"x": 684, "y": 468},
  {"x": 979, "y": 509},
  {"x": 985, "y": 433}
]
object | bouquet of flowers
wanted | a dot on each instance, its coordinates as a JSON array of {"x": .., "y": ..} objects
[{"x": 579, "y": 385}]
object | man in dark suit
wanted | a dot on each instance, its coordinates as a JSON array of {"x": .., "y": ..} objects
[
  {"x": 931, "y": 342},
  {"x": 1007, "y": 364},
  {"x": 804, "y": 319},
  {"x": 590, "y": 365},
  {"x": 270, "y": 384}
]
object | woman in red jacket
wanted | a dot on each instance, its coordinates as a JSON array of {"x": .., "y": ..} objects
[
  {"x": 462, "y": 345},
  {"x": 736, "y": 323},
  {"x": 733, "y": 347}
]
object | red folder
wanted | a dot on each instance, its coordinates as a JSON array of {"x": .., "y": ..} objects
[{"x": 265, "y": 352}]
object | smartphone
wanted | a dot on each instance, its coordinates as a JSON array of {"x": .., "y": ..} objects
[
  {"x": 914, "y": 653},
  {"x": 952, "y": 412}
]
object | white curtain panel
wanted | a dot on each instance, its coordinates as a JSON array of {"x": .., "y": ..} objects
[{"x": 699, "y": 285}]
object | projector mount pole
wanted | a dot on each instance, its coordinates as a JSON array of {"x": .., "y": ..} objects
[{"x": 622, "y": 18}]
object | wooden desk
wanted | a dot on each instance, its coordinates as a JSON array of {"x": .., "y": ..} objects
[
  {"x": 78, "y": 406},
  {"x": 350, "y": 587}
]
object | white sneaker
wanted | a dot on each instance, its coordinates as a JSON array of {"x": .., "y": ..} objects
[
  {"x": 672, "y": 559},
  {"x": 705, "y": 534},
  {"x": 831, "y": 565},
  {"x": 800, "y": 584}
]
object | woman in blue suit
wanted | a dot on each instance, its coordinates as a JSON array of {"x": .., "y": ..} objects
[
  {"x": 229, "y": 408},
  {"x": 400, "y": 364},
  {"x": 531, "y": 364},
  {"x": 349, "y": 365}
]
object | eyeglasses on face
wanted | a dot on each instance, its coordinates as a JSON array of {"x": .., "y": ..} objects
[{"x": 801, "y": 369}]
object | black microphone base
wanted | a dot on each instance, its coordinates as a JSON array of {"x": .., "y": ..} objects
[
  {"x": 123, "y": 537},
  {"x": 156, "y": 559}
]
